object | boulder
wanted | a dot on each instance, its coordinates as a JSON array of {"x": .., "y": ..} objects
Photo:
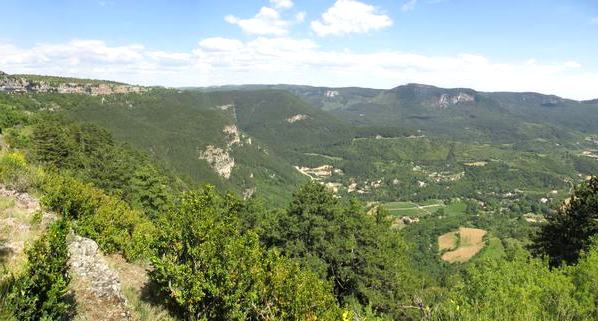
[{"x": 96, "y": 286}]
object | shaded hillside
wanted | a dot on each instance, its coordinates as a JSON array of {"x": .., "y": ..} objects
[
  {"x": 193, "y": 134},
  {"x": 325, "y": 98},
  {"x": 283, "y": 121},
  {"x": 196, "y": 134}
]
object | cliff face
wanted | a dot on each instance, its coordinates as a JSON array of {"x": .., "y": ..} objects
[{"x": 19, "y": 84}]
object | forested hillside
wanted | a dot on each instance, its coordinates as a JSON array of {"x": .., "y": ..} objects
[{"x": 300, "y": 203}]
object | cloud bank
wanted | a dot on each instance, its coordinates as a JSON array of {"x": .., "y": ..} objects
[{"x": 219, "y": 61}]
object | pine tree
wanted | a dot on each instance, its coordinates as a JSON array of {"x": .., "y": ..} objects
[{"x": 570, "y": 229}]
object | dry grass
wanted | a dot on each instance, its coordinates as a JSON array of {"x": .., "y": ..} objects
[
  {"x": 471, "y": 241},
  {"x": 145, "y": 311},
  {"x": 91, "y": 307},
  {"x": 471, "y": 236},
  {"x": 134, "y": 280},
  {"x": 131, "y": 275},
  {"x": 16, "y": 230},
  {"x": 447, "y": 241}
]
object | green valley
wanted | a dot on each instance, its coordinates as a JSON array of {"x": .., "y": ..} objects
[{"x": 373, "y": 197}]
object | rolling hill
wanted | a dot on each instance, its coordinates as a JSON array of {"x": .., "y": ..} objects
[{"x": 249, "y": 138}]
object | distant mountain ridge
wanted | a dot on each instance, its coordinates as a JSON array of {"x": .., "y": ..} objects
[
  {"x": 63, "y": 85},
  {"x": 461, "y": 113},
  {"x": 253, "y": 138},
  {"x": 58, "y": 84},
  {"x": 307, "y": 90}
]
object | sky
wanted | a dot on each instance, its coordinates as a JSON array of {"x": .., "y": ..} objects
[{"x": 548, "y": 46}]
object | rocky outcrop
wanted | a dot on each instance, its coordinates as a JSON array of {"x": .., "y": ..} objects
[
  {"x": 18, "y": 84},
  {"x": 86, "y": 261},
  {"x": 19, "y": 222},
  {"x": 316, "y": 172},
  {"x": 24, "y": 200},
  {"x": 446, "y": 100},
  {"x": 248, "y": 192},
  {"x": 219, "y": 159},
  {"x": 226, "y": 107},
  {"x": 296, "y": 118},
  {"x": 96, "y": 287},
  {"x": 331, "y": 93},
  {"x": 233, "y": 135}
]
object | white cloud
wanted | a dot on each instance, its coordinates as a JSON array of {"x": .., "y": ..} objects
[
  {"x": 266, "y": 22},
  {"x": 95, "y": 59},
  {"x": 282, "y": 4},
  {"x": 571, "y": 64},
  {"x": 409, "y": 5},
  {"x": 350, "y": 16},
  {"x": 218, "y": 61},
  {"x": 300, "y": 16},
  {"x": 220, "y": 44}
]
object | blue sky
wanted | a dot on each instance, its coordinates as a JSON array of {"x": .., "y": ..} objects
[{"x": 525, "y": 45}]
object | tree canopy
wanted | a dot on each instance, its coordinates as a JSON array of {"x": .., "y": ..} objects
[{"x": 571, "y": 228}]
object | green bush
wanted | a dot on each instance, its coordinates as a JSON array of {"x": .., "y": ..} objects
[
  {"x": 360, "y": 255},
  {"x": 7, "y": 281},
  {"x": 570, "y": 229},
  {"x": 585, "y": 279},
  {"x": 519, "y": 288},
  {"x": 16, "y": 174},
  {"x": 41, "y": 293},
  {"x": 16, "y": 138},
  {"x": 11, "y": 116},
  {"x": 210, "y": 270},
  {"x": 90, "y": 154},
  {"x": 106, "y": 219},
  {"x": 70, "y": 197}
]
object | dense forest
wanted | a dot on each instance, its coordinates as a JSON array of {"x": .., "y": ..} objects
[{"x": 303, "y": 252}]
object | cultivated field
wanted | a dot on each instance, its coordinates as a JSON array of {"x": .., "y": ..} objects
[
  {"x": 448, "y": 241},
  {"x": 461, "y": 245},
  {"x": 413, "y": 209}
]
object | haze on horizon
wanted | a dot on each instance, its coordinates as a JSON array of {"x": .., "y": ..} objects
[{"x": 547, "y": 47}]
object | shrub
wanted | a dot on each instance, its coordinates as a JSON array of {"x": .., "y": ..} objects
[
  {"x": 106, "y": 219},
  {"x": 70, "y": 197},
  {"x": 15, "y": 172},
  {"x": 11, "y": 116},
  {"x": 569, "y": 231},
  {"x": 41, "y": 292},
  {"x": 360, "y": 255},
  {"x": 520, "y": 288},
  {"x": 16, "y": 138},
  {"x": 585, "y": 279},
  {"x": 7, "y": 281},
  {"x": 210, "y": 270}
]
